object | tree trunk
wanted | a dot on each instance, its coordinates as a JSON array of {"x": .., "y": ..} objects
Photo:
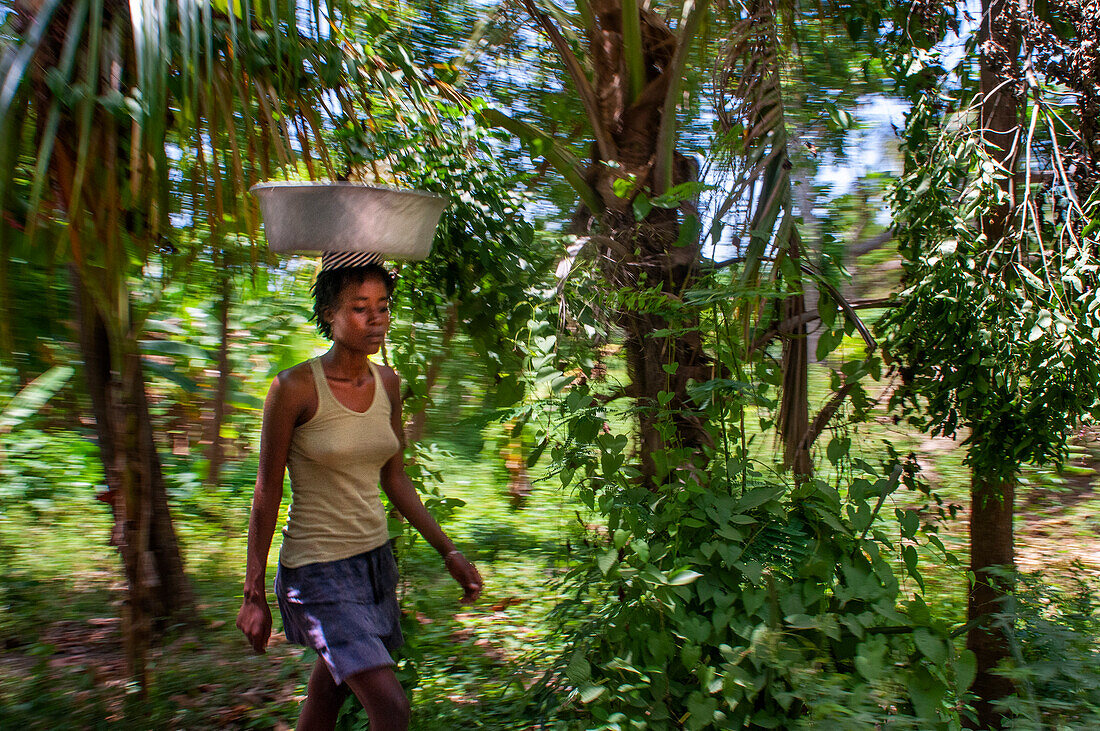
[
  {"x": 991, "y": 547},
  {"x": 667, "y": 419},
  {"x": 991, "y": 539},
  {"x": 216, "y": 451},
  {"x": 143, "y": 532},
  {"x": 794, "y": 405},
  {"x": 649, "y": 253}
]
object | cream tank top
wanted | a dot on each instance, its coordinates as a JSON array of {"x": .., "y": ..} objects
[{"x": 334, "y": 463}]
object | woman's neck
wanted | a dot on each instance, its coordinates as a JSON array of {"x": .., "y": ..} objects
[{"x": 343, "y": 362}]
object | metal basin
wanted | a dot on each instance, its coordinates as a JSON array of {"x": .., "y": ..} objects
[{"x": 335, "y": 216}]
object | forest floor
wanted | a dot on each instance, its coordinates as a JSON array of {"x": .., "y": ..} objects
[{"x": 61, "y": 655}]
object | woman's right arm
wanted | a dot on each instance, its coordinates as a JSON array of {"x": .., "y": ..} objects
[{"x": 280, "y": 414}]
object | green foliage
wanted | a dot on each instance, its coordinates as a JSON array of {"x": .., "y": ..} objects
[
  {"x": 717, "y": 599},
  {"x": 1056, "y": 662},
  {"x": 999, "y": 337},
  {"x": 709, "y": 604}
]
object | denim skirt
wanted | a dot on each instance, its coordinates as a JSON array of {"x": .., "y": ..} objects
[{"x": 346, "y": 610}]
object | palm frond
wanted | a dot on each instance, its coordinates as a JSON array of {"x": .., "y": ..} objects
[{"x": 750, "y": 108}]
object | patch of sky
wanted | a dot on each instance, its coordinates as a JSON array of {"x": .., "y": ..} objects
[
  {"x": 870, "y": 149},
  {"x": 181, "y": 220},
  {"x": 953, "y": 49},
  {"x": 314, "y": 18},
  {"x": 870, "y": 146},
  {"x": 282, "y": 277}
]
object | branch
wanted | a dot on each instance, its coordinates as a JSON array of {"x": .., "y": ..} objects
[
  {"x": 805, "y": 318},
  {"x": 868, "y": 245},
  {"x": 630, "y": 391},
  {"x": 606, "y": 145},
  {"x": 849, "y": 310},
  {"x": 17, "y": 60},
  {"x": 822, "y": 419}
]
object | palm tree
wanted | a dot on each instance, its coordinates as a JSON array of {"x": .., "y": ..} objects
[
  {"x": 632, "y": 65},
  {"x": 629, "y": 85}
]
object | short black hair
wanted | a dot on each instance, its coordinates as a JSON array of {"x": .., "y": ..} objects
[{"x": 331, "y": 282}]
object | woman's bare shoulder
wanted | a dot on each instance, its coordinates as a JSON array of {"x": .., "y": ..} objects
[
  {"x": 389, "y": 375},
  {"x": 294, "y": 386},
  {"x": 392, "y": 383}
]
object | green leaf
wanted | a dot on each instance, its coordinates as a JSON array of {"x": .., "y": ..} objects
[
  {"x": 828, "y": 342},
  {"x": 966, "y": 670},
  {"x": 623, "y": 187},
  {"x": 690, "y": 654},
  {"x": 687, "y": 576},
  {"x": 533, "y": 457},
  {"x": 838, "y": 448},
  {"x": 870, "y": 660},
  {"x": 175, "y": 347},
  {"x": 509, "y": 391},
  {"x": 607, "y": 561},
  {"x": 578, "y": 670},
  {"x": 930, "y": 646},
  {"x": 1030, "y": 278},
  {"x": 926, "y": 693},
  {"x": 757, "y": 497},
  {"x": 168, "y": 373},
  {"x": 33, "y": 396},
  {"x": 591, "y": 693}
]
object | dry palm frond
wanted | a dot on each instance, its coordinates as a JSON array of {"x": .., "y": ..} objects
[{"x": 750, "y": 109}]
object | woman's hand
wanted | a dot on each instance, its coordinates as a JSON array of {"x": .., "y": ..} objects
[
  {"x": 254, "y": 620},
  {"x": 466, "y": 574}
]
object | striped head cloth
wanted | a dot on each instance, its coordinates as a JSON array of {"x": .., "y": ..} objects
[{"x": 344, "y": 259}]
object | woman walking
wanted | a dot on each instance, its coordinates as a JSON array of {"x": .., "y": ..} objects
[{"x": 335, "y": 423}]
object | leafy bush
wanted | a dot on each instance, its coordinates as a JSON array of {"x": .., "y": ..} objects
[{"x": 728, "y": 599}]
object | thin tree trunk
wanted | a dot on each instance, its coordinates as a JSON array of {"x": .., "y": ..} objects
[
  {"x": 216, "y": 451},
  {"x": 647, "y": 356},
  {"x": 794, "y": 406},
  {"x": 131, "y": 467},
  {"x": 991, "y": 547},
  {"x": 991, "y": 539},
  {"x": 143, "y": 532}
]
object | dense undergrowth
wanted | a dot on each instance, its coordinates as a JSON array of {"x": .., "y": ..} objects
[{"x": 584, "y": 617}]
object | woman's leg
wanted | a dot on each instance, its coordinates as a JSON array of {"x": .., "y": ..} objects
[
  {"x": 323, "y": 700},
  {"x": 382, "y": 695}
]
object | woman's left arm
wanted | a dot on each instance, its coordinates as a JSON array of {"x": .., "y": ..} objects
[{"x": 404, "y": 497}]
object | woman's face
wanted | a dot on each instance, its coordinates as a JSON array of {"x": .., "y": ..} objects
[{"x": 362, "y": 316}]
